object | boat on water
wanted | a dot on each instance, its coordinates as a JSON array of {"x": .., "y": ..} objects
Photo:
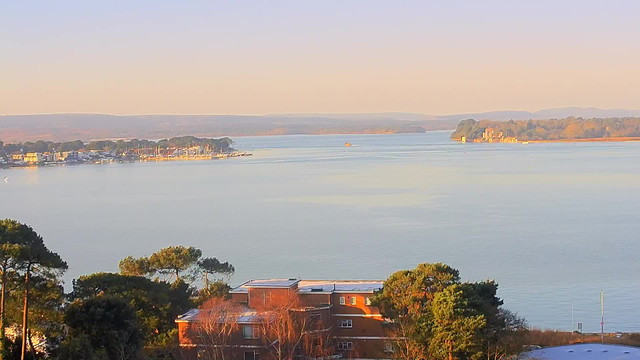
[{"x": 347, "y": 144}]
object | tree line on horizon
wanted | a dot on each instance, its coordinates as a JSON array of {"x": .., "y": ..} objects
[
  {"x": 552, "y": 129},
  {"x": 120, "y": 146}
]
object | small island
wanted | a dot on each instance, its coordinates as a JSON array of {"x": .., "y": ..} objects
[
  {"x": 567, "y": 129},
  {"x": 46, "y": 153}
]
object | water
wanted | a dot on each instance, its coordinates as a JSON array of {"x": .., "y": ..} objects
[{"x": 552, "y": 223}]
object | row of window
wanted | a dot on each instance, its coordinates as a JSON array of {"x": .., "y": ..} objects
[
  {"x": 345, "y": 323},
  {"x": 354, "y": 301},
  {"x": 348, "y": 345}
]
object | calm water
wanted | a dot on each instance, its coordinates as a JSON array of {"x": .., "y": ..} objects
[{"x": 552, "y": 223}]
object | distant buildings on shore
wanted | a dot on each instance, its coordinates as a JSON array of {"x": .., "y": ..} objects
[{"x": 82, "y": 156}]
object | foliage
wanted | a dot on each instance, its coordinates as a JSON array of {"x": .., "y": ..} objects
[
  {"x": 457, "y": 325},
  {"x": 157, "y": 304},
  {"x": 212, "y": 266},
  {"x": 36, "y": 263},
  {"x": 215, "y": 290},
  {"x": 136, "y": 267},
  {"x": 108, "y": 323},
  {"x": 552, "y": 129},
  {"x": 120, "y": 146},
  {"x": 432, "y": 315},
  {"x": 174, "y": 260}
]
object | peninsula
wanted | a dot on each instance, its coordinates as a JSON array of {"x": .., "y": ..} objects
[
  {"x": 551, "y": 130},
  {"x": 44, "y": 153}
]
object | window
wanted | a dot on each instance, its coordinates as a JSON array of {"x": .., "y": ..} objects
[
  {"x": 345, "y": 323},
  {"x": 367, "y": 301},
  {"x": 314, "y": 320},
  {"x": 388, "y": 347},
  {"x": 353, "y": 300},
  {"x": 251, "y": 355},
  {"x": 250, "y": 332},
  {"x": 342, "y": 300},
  {"x": 347, "y": 345}
]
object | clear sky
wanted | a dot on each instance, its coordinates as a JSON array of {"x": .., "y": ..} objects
[{"x": 257, "y": 57}]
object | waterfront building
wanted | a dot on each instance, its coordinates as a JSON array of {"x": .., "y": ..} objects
[
  {"x": 339, "y": 310},
  {"x": 33, "y": 158}
]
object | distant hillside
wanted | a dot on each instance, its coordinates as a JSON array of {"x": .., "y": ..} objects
[{"x": 63, "y": 127}]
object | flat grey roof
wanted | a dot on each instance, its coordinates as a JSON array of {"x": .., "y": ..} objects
[
  {"x": 345, "y": 286},
  {"x": 313, "y": 286},
  {"x": 247, "y": 316}
]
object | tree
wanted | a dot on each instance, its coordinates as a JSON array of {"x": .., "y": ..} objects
[
  {"x": 133, "y": 266},
  {"x": 457, "y": 325},
  {"x": 434, "y": 316},
  {"x": 212, "y": 265},
  {"x": 505, "y": 336},
  {"x": 174, "y": 260},
  {"x": 10, "y": 235},
  {"x": 157, "y": 304},
  {"x": 287, "y": 330},
  {"x": 217, "y": 322},
  {"x": 217, "y": 289},
  {"x": 108, "y": 323},
  {"x": 406, "y": 299},
  {"x": 46, "y": 310},
  {"x": 33, "y": 258}
]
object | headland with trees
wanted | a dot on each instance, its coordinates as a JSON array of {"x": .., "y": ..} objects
[
  {"x": 566, "y": 129},
  {"x": 42, "y": 153},
  {"x": 131, "y": 314}
]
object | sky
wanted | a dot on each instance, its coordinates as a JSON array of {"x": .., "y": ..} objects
[{"x": 316, "y": 56}]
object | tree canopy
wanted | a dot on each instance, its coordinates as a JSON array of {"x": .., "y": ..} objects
[
  {"x": 157, "y": 304},
  {"x": 108, "y": 323},
  {"x": 174, "y": 260},
  {"x": 552, "y": 129},
  {"x": 216, "y": 145},
  {"x": 433, "y": 315},
  {"x": 135, "y": 267}
]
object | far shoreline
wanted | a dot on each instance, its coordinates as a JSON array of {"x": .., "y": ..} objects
[{"x": 587, "y": 140}]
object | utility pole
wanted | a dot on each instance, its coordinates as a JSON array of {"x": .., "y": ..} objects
[
  {"x": 602, "y": 315},
  {"x": 572, "y": 328}
]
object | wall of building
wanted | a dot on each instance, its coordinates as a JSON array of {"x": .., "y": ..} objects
[
  {"x": 242, "y": 298},
  {"x": 260, "y": 297}
]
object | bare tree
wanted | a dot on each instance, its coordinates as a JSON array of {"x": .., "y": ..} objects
[
  {"x": 506, "y": 336},
  {"x": 404, "y": 345},
  {"x": 288, "y": 331},
  {"x": 216, "y": 324}
]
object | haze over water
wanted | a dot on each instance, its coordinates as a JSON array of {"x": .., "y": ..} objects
[{"x": 552, "y": 223}]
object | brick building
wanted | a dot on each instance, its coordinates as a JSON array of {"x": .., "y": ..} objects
[{"x": 339, "y": 309}]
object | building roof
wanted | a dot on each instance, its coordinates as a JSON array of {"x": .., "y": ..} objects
[
  {"x": 586, "y": 352},
  {"x": 275, "y": 283},
  {"x": 265, "y": 283},
  {"x": 247, "y": 317},
  {"x": 344, "y": 286},
  {"x": 314, "y": 286}
]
